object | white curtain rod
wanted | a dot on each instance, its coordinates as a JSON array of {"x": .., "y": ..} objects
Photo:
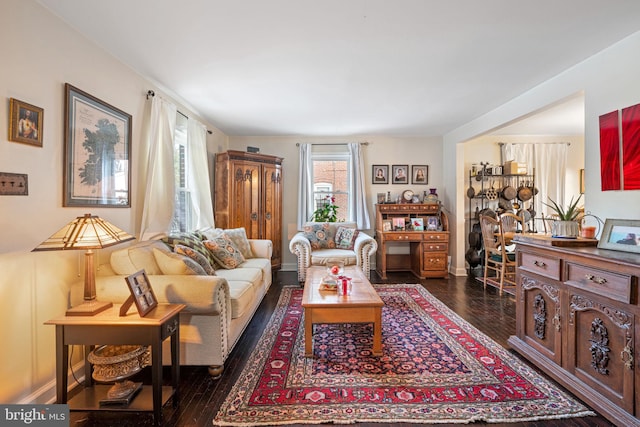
[{"x": 334, "y": 143}]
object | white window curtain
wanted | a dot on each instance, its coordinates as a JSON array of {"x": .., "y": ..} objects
[
  {"x": 198, "y": 179},
  {"x": 358, "y": 208},
  {"x": 549, "y": 161},
  {"x": 159, "y": 198},
  {"x": 305, "y": 185}
]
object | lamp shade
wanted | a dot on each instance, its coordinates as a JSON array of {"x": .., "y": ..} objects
[{"x": 85, "y": 232}]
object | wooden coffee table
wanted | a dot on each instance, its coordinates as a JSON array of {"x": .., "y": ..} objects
[{"x": 362, "y": 306}]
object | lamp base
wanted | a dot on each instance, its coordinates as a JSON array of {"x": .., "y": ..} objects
[{"x": 89, "y": 308}]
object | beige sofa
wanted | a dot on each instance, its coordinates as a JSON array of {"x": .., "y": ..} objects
[
  {"x": 219, "y": 307},
  {"x": 364, "y": 247}
]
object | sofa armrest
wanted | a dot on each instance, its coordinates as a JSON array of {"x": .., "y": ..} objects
[
  {"x": 201, "y": 294},
  {"x": 261, "y": 248},
  {"x": 301, "y": 247},
  {"x": 365, "y": 246}
]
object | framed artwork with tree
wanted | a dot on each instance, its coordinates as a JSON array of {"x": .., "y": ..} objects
[{"x": 97, "y": 152}]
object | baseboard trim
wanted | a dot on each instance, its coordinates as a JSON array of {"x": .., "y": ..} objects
[{"x": 46, "y": 395}]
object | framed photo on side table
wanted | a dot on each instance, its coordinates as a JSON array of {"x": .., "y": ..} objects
[
  {"x": 621, "y": 235},
  {"x": 25, "y": 123},
  {"x": 141, "y": 294},
  {"x": 97, "y": 152}
]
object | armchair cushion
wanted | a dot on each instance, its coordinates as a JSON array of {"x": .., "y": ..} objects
[
  {"x": 346, "y": 237},
  {"x": 319, "y": 235}
]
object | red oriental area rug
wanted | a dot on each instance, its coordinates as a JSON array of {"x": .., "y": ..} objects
[{"x": 435, "y": 368}]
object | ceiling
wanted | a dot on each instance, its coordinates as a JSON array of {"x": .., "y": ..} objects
[{"x": 355, "y": 67}]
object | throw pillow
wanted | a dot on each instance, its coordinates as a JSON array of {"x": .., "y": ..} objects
[
  {"x": 171, "y": 263},
  {"x": 346, "y": 237},
  {"x": 225, "y": 252},
  {"x": 319, "y": 235},
  {"x": 196, "y": 256},
  {"x": 239, "y": 237},
  {"x": 191, "y": 240}
]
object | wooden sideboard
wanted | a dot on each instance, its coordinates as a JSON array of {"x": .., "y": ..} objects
[
  {"x": 428, "y": 249},
  {"x": 577, "y": 318}
]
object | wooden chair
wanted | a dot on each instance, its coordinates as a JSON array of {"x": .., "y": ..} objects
[
  {"x": 511, "y": 224},
  {"x": 496, "y": 258}
]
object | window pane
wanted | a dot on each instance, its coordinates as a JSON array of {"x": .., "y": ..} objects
[{"x": 330, "y": 178}]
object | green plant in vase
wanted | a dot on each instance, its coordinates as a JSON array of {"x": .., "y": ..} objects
[{"x": 566, "y": 224}]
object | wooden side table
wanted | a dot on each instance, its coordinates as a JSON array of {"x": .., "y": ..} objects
[{"x": 108, "y": 328}]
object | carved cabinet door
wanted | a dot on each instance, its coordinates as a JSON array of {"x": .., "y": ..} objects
[
  {"x": 600, "y": 346},
  {"x": 540, "y": 320},
  {"x": 245, "y": 198},
  {"x": 272, "y": 209}
]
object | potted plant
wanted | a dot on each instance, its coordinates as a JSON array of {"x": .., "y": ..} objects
[
  {"x": 565, "y": 225},
  {"x": 328, "y": 212}
]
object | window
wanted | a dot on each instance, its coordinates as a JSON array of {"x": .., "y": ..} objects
[
  {"x": 331, "y": 179},
  {"x": 182, "y": 215}
]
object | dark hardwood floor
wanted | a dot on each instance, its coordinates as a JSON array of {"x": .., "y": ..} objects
[{"x": 201, "y": 396}]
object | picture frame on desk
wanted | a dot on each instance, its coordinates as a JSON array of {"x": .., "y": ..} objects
[
  {"x": 433, "y": 223},
  {"x": 621, "y": 235},
  {"x": 418, "y": 224},
  {"x": 398, "y": 224},
  {"x": 387, "y": 225}
]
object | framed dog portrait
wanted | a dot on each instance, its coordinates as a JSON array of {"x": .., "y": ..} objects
[{"x": 25, "y": 123}]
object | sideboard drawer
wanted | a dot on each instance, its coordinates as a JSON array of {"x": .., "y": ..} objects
[
  {"x": 613, "y": 285},
  {"x": 434, "y": 261},
  {"x": 540, "y": 264},
  {"x": 403, "y": 237}
]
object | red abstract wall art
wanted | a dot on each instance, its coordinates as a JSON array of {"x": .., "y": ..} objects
[
  {"x": 631, "y": 147},
  {"x": 610, "y": 151}
]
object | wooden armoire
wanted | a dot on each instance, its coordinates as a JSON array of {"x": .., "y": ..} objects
[{"x": 248, "y": 193}]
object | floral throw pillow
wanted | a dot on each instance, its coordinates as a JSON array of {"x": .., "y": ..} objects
[
  {"x": 346, "y": 238},
  {"x": 225, "y": 252},
  {"x": 196, "y": 256},
  {"x": 319, "y": 235},
  {"x": 190, "y": 240}
]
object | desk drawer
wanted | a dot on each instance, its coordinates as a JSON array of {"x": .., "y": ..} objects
[
  {"x": 612, "y": 285},
  {"x": 435, "y": 247},
  {"x": 403, "y": 237},
  {"x": 540, "y": 264},
  {"x": 434, "y": 261},
  {"x": 436, "y": 237}
]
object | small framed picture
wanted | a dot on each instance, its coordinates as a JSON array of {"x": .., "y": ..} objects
[
  {"x": 400, "y": 174},
  {"x": 386, "y": 225},
  {"x": 380, "y": 174},
  {"x": 381, "y": 198},
  {"x": 25, "y": 123},
  {"x": 621, "y": 235},
  {"x": 141, "y": 293},
  {"x": 432, "y": 223},
  {"x": 398, "y": 224},
  {"x": 419, "y": 174},
  {"x": 418, "y": 224}
]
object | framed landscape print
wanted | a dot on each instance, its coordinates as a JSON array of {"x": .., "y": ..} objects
[
  {"x": 97, "y": 152},
  {"x": 25, "y": 123}
]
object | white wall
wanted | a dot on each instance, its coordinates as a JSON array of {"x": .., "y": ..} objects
[
  {"x": 40, "y": 54},
  {"x": 381, "y": 150},
  {"x": 609, "y": 81}
]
